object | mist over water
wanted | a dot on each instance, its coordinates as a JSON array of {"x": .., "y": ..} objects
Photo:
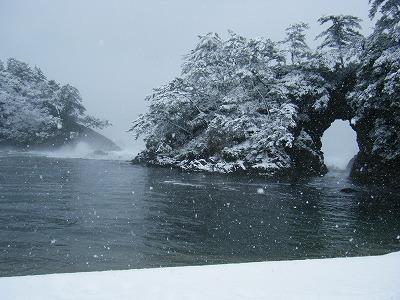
[{"x": 85, "y": 151}]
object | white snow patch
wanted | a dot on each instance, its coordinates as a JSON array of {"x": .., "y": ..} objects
[{"x": 363, "y": 278}]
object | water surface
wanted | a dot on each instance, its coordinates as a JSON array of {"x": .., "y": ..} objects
[{"x": 70, "y": 215}]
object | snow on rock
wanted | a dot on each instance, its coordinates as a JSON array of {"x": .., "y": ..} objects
[{"x": 360, "y": 278}]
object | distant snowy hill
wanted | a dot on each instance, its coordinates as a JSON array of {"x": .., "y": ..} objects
[{"x": 35, "y": 111}]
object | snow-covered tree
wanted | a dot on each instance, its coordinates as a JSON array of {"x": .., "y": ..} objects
[
  {"x": 390, "y": 14},
  {"x": 68, "y": 103},
  {"x": 239, "y": 106},
  {"x": 19, "y": 69},
  {"x": 21, "y": 119},
  {"x": 295, "y": 42},
  {"x": 34, "y": 109},
  {"x": 234, "y": 107},
  {"x": 341, "y": 40},
  {"x": 377, "y": 95}
]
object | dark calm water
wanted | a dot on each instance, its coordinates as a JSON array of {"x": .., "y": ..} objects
[{"x": 69, "y": 215}]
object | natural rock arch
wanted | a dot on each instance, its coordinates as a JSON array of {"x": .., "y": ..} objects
[
  {"x": 314, "y": 123},
  {"x": 368, "y": 166}
]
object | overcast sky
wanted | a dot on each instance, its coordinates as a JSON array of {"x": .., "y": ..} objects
[{"x": 115, "y": 52}]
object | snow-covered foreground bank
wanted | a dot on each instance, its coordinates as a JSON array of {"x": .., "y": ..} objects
[{"x": 364, "y": 278}]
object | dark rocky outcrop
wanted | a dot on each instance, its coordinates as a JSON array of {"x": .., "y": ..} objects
[
  {"x": 369, "y": 168},
  {"x": 310, "y": 159}
]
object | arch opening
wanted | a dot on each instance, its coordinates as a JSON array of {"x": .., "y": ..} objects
[{"x": 339, "y": 145}]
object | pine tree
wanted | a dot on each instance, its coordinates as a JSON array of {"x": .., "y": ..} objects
[
  {"x": 69, "y": 102},
  {"x": 390, "y": 15},
  {"x": 342, "y": 39},
  {"x": 379, "y": 78},
  {"x": 295, "y": 42}
]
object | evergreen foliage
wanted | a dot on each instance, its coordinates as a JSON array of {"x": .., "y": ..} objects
[
  {"x": 34, "y": 110},
  {"x": 376, "y": 98},
  {"x": 342, "y": 40},
  {"x": 254, "y": 105}
]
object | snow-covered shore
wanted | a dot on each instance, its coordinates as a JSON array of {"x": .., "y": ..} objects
[{"x": 363, "y": 278}]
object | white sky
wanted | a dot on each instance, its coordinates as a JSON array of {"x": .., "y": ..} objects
[{"x": 115, "y": 52}]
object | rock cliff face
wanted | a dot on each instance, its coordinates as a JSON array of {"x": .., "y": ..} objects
[
  {"x": 314, "y": 122},
  {"x": 378, "y": 160}
]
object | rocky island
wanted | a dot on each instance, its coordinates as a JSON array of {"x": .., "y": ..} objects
[{"x": 258, "y": 106}]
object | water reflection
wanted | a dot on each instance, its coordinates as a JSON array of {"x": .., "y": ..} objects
[
  {"x": 68, "y": 215},
  {"x": 222, "y": 219}
]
